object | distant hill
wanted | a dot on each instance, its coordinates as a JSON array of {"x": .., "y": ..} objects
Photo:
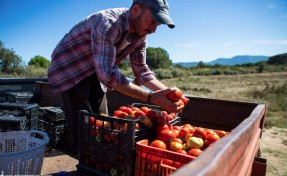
[{"x": 228, "y": 61}]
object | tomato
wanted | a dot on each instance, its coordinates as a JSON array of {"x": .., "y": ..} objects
[
  {"x": 160, "y": 128},
  {"x": 174, "y": 95},
  {"x": 122, "y": 115},
  {"x": 117, "y": 112},
  {"x": 135, "y": 108},
  {"x": 153, "y": 113},
  {"x": 182, "y": 151},
  {"x": 177, "y": 140},
  {"x": 176, "y": 132},
  {"x": 167, "y": 162},
  {"x": 175, "y": 146},
  {"x": 176, "y": 127},
  {"x": 208, "y": 131},
  {"x": 177, "y": 164},
  {"x": 194, "y": 152},
  {"x": 200, "y": 132},
  {"x": 185, "y": 147},
  {"x": 92, "y": 120},
  {"x": 180, "y": 103},
  {"x": 144, "y": 109},
  {"x": 138, "y": 113},
  {"x": 221, "y": 133},
  {"x": 211, "y": 138},
  {"x": 166, "y": 136},
  {"x": 158, "y": 144},
  {"x": 183, "y": 132},
  {"x": 185, "y": 100},
  {"x": 164, "y": 113}
]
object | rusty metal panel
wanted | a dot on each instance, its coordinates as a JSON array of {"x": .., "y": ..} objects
[{"x": 234, "y": 153}]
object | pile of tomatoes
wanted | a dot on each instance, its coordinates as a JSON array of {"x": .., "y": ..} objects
[{"x": 186, "y": 139}]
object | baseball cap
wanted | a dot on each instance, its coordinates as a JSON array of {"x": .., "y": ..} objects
[{"x": 159, "y": 10}]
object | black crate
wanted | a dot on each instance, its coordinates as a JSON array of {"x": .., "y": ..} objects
[
  {"x": 51, "y": 114},
  {"x": 55, "y": 132},
  {"x": 30, "y": 111},
  {"x": 9, "y": 122},
  {"x": 13, "y": 97},
  {"x": 3, "y": 97},
  {"x": 108, "y": 144}
]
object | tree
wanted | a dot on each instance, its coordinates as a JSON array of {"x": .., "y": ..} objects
[
  {"x": 278, "y": 59},
  {"x": 157, "y": 58},
  {"x": 39, "y": 61},
  {"x": 9, "y": 60}
]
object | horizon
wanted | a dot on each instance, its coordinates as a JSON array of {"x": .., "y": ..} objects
[{"x": 213, "y": 29}]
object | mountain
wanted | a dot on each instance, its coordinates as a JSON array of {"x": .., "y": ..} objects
[{"x": 228, "y": 61}]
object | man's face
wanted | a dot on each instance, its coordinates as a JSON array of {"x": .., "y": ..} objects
[{"x": 144, "y": 23}]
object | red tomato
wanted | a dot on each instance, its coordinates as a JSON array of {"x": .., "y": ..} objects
[
  {"x": 160, "y": 128},
  {"x": 183, "y": 132},
  {"x": 166, "y": 136},
  {"x": 92, "y": 120},
  {"x": 117, "y": 112},
  {"x": 138, "y": 113},
  {"x": 211, "y": 138},
  {"x": 135, "y": 108},
  {"x": 158, "y": 144},
  {"x": 144, "y": 109},
  {"x": 221, "y": 133},
  {"x": 208, "y": 131},
  {"x": 181, "y": 103},
  {"x": 194, "y": 152},
  {"x": 174, "y": 95},
  {"x": 185, "y": 100},
  {"x": 177, "y": 140},
  {"x": 200, "y": 132},
  {"x": 122, "y": 115},
  {"x": 182, "y": 151}
]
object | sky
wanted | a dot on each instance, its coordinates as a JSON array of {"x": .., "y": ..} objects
[{"x": 204, "y": 29}]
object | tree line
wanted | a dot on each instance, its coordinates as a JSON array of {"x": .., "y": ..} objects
[{"x": 156, "y": 58}]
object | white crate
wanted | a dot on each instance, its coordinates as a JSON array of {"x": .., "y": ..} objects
[{"x": 22, "y": 152}]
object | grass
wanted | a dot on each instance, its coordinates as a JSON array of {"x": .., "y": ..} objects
[{"x": 266, "y": 88}]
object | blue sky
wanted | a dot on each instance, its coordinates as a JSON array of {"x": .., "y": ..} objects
[{"x": 205, "y": 29}]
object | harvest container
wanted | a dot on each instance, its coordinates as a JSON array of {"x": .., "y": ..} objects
[
  {"x": 9, "y": 122},
  {"x": 30, "y": 111},
  {"x": 234, "y": 154},
  {"x": 108, "y": 147},
  {"x": 155, "y": 161},
  {"x": 22, "y": 152},
  {"x": 237, "y": 152}
]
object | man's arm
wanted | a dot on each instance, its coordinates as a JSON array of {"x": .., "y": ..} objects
[{"x": 159, "y": 97}]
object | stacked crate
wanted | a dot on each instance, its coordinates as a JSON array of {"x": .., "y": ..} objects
[
  {"x": 52, "y": 121},
  {"x": 18, "y": 116},
  {"x": 14, "y": 97},
  {"x": 107, "y": 144}
]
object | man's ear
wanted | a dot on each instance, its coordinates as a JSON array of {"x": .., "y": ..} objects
[{"x": 136, "y": 10}]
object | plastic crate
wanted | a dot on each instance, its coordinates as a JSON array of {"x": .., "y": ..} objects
[
  {"x": 13, "y": 97},
  {"x": 30, "y": 111},
  {"x": 9, "y": 122},
  {"x": 55, "y": 132},
  {"x": 51, "y": 114},
  {"x": 108, "y": 147},
  {"x": 22, "y": 152},
  {"x": 151, "y": 161}
]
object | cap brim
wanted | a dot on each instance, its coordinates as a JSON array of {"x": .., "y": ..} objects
[{"x": 162, "y": 18}]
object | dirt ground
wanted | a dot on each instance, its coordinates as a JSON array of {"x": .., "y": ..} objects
[{"x": 273, "y": 147}]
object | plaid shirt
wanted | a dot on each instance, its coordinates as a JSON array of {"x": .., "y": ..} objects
[{"x": 91, "y": 47}]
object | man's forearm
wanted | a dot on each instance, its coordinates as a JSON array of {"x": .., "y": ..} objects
[
  {"x": 132, "y": 90},
  {"x": 155, "y": 85}
]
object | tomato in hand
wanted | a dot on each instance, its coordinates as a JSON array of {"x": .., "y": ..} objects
[{"x": 175, "y": 95}]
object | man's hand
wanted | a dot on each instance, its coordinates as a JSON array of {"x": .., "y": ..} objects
[{"x": 160, "y": 98}]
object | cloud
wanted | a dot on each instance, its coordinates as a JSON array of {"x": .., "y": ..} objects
[
  {"x": 228, "y": 44},
  {"x": 266, "y": 42},
  {"x": 188, "y": 45}
]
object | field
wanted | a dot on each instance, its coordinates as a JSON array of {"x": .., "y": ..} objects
[{"x": 267, "y": 88}]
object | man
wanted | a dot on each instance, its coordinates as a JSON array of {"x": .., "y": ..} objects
[{"x": 83, "y": 65}]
